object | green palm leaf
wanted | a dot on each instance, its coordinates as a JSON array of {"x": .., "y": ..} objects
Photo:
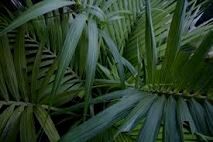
[
  {"x": 35, "y": 11},
  {"x": 92, "y": 57},
  {"x": 76, "y": 55}
]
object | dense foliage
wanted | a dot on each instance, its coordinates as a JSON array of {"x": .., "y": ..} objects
[{"x": 106, "y": 70}]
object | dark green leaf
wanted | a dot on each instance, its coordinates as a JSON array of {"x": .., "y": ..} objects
[
  {"x": 20, "y": 62},
  {"x": 153, "y": 121},
  {"x": 47, "y": 124},
  {"x": 9, "y": 72},
  {"x": 101, "y": 121},
  {"x": 4, "y": 117},
  {"x": 137, "y": 113},
  {"x": 151, "y": 51},
  {"x": 11, "y": 129},
  {"x": 171, "y": 129},
  {"x": 27, "y": 128},
  {"x": 209, "y": 115},
  {"x": 184, "y": 115},
  {"x": 3, "y": 88},
  {"x": 175, "y": 33},
  {"x": 198, "y": 115},
  {"x": 71, "y": 41}
]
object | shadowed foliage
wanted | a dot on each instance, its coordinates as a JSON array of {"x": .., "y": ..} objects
[{"x": 106, "y": 70}]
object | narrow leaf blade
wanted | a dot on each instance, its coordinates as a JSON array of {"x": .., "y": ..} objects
[
  {"x": 92, "y": 58},
  {"x": 35, "y": 11},
  {"x": 153, "y": 121},
  {"x": 47, "y": 124}
]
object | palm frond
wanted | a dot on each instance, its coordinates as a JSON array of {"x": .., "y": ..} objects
[{"x": 141, "y": 67}]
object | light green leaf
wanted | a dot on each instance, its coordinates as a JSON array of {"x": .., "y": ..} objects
[
  {"x": 108, "y": 4},
  {"x": 92, "y": 57},
  {"x": 129, "y": 66},
  {"x": 96, "y": 11},
  {"x": 116, "y": 55},
  {"x": 70, "y": 44}
]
